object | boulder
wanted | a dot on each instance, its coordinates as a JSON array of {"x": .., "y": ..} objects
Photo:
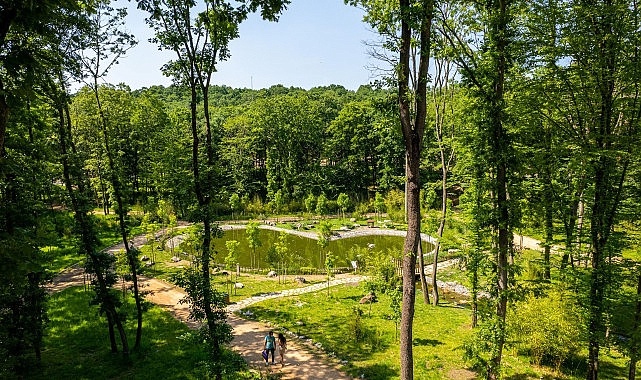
[
  {"x": 300, "y": 280},
  {"x": 272, "y": 274},
  {"x": 144, "y": 258},
  {"x": 239, "y": 285},
  {"x": 175, "y": 259},
  {"x": 369, "y": 298}
]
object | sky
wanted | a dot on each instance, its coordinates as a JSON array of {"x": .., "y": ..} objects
[{"x": 315, "y": 43}]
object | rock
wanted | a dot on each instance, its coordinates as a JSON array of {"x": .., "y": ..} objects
[
  {"x": 344, "y": 228},
  {"x": 239, "y": 285},
  {"x": 318, "y": 345},
  {"x": 149, "y": 263},
  {"x": 369, "y": 298},
  {"x": 371, "y": 245},
  {"x": 272, "y": 274},
  {"x": 300, "y": 280},
  {"x": 387, "y": 221},
  {"x": 352, "y": 220},
  {"x": 300, "y": 323},
  {"x": 175, "y": 259},
  {"x": 144, "y": 258},
  {"x": 356, "y": 225},
  {"x": 451, "y": 251},
  {"x": 344, "y": 362}
]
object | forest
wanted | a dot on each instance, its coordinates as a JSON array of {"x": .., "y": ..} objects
[{"x": 492, "y": 119}]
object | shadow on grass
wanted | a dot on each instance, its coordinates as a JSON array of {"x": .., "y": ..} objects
[
  {"x": 77, "y": 344},
  {"x": 426, "y": 342},
  {"x": 376, "y": 372}
]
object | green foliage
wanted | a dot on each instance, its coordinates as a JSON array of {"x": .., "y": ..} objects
[
  {"x": 232, "y": 256},
  {"x": 310, "y": 203},
  {"x": 216, "y": 332},
  {"x": 548, "y": 328},
  {"x": 321, "y": 205},
  {"x": 395, "y": 205},
  {"x": 73, "y": 321},
  {"x": 343, "y": 202}
]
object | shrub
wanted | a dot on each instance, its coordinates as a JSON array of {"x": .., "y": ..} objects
[
  {"x": 548, "y": 328},
  {"x": 395, "y": 205}
]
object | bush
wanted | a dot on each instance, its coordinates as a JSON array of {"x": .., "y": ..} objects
[
  {"x": 548, "y": 328},
  {"x": 395, "y": 205}
]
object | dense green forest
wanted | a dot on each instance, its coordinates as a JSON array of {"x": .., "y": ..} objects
[{"x": 516, "y": 117}]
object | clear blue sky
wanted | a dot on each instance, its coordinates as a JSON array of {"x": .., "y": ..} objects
[{"x": 315, "y": 43}]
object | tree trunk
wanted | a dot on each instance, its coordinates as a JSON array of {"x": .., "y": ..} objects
[
  {"x": 441, "y": 227},
  {"x": 81, "y": 206},
  {"x": 498, "y": 147},
  {"x": 4, "y": 118},
  {"x": 421, "y": 264},
  {"x": 634, "y": 349},
  {"x": 116, "y": 183},
  {"x": 413, "y": 132}
]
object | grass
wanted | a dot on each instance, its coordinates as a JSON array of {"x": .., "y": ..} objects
[
  {"x": 77, "y": 345},
  {"x": 371, "y": 346}
]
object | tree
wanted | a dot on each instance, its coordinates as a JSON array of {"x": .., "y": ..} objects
[
  {"x": 105, "y": 44},
  {"x": 231, "y": 260},
  {"x": 234, "y": 203},
  {"x": 379, "y": 204},
  {"x": 442, "y": 99},
  {"x": 309, "y": 203},
  {"x": 415, "y": 19},
  {"x": 279, "y": 200},
  {"x": 253, "y": 240},
  {"x": 282, "y": 250},
  {"x": 487, "y": 75},
  {"x": 323, "y": 237},
  {"x": 330, "y": 262},
  {"x": 343, "y": 202},
  {"x": 321, "y": 205},
  {"x": 199, "y": 45}
]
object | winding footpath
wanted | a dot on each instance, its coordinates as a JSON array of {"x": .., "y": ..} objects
[{"x": 302, "y": 362}]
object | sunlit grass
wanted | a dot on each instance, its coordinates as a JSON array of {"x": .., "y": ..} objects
[{"x": 77, "y": 345}]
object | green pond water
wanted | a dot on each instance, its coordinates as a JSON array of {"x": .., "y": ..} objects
[{"x": 306, "y": 252}]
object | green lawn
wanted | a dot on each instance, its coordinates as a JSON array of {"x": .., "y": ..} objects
[
  {"x": 77, "y": 345},
  {"x": 371, "y": 346}
]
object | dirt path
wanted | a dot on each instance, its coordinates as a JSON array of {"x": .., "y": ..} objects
[{"x": 300, "y": 362}]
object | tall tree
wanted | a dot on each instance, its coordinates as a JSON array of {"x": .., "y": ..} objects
[
  {"x": 201, "y": 40},
  {"x": 106, "y": 43},
  {"x": 407, "y": 27}
]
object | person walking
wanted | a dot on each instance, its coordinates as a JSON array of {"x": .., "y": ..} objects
[
  {"x": 282, "y": 348},
  {"x": 269, "y": 346}
]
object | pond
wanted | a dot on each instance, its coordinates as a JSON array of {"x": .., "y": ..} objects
[{"x": 306, "y": 252}]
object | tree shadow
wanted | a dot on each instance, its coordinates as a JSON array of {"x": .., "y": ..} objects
[
  {"x": 426, "y": 342},
  {"x": 377, "y": 372}
]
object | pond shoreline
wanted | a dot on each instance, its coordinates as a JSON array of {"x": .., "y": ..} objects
[{"x": 336, "y": 235}]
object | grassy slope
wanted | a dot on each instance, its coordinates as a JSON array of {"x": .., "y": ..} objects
[{"x": 77, "y": 345}]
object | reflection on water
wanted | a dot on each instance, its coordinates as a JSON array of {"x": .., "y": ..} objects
[{"x": 306, "y": 252}]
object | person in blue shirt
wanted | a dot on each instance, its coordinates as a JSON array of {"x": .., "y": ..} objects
[{"x": 270, "y": 346}]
